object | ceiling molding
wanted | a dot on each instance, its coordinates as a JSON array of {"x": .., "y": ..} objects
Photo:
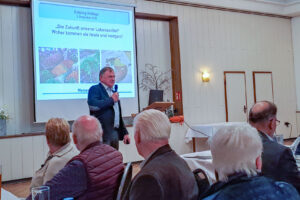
[{"x": 273, "y": 7}]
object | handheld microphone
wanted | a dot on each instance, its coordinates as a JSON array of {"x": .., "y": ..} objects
[{"x": 116, "y": 88}]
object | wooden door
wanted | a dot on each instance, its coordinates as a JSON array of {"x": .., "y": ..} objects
[{"x": 235, "y": 96}]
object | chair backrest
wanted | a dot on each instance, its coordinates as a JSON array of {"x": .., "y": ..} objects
[
  {"x": 202, "y": 180},
  {"x": 125, "y": 181}
]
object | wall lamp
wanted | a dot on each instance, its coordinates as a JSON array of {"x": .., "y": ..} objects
[{"x": 205, "y": 76}]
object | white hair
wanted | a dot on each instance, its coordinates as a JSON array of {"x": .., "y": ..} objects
[
  {"x": 87, "y": 130},
  {"x": 234, "y": 149},
  {"x": 152, "y": 125}
]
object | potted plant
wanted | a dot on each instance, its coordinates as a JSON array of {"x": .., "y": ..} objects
[
  {"x": 154, "y": 81},
  {"x": 3, "y": 117}
]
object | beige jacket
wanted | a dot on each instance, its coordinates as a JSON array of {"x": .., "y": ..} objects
[{"x": 53, "y": 164}]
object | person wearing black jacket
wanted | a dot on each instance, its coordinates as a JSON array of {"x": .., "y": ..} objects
[
  {"x": 278, "y": 161},
  {"x": 105, "y": 105}
]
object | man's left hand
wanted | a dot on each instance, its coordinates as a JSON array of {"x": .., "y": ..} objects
[{"x": 126, "y": 139}]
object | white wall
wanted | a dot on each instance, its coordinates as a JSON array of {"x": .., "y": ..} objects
[
  {"x": 219, "y": 41},
  {"x": 296, "y": 48},
  {"x": 153, "y": 47},
  {"x": 209, "y": 39},
  {"x": 16, "y": 68}
]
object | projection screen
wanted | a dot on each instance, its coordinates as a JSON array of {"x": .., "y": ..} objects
[{"x": 72, "y": 41}]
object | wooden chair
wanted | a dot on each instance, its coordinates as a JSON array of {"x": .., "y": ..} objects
[{"x": 125, "y": 181}]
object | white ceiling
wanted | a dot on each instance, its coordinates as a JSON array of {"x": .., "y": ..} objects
[{"x": 279, "y": 7}]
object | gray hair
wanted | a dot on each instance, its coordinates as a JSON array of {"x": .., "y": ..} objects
[
  {"x": 104, "y": 69},
  {"x": 87, "y": 130},
  {"x": 234, "y": 149},
  {"x": 152, "y": 125}
]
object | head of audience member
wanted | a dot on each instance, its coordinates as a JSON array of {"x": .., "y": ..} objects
[
  {"x": 57, "y": 133},
  {"x": 236, "y": 148},
  {"x": 86, "y": 130},
  {"x": 262, "y": 116},
  {"x": 107, "y": 76},
  {"x": 152, "y": 130}
]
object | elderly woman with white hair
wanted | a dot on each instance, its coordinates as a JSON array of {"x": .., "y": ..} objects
[{"x": 236, "y": 152}]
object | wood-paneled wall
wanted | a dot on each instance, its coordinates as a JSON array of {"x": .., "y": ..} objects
[
  {"x": 153, "y": 47},
  {"x": 21, "y": 157},
  {"x": 16, "y": 68},
  {"x": 219, "y": 41},
  {"x": 209, "y": 39}
]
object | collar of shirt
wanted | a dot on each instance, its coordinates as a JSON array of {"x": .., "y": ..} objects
[
  {"x": 269, "y": 137},
  {"x": 105, "y": 86},
  {"x": 108, "y": 89}
]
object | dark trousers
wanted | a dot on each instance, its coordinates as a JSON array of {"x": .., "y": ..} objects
[{"x": 111, "y": 139}]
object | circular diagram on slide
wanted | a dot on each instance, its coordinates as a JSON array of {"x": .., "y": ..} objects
[{"x": 120, "y": 61}]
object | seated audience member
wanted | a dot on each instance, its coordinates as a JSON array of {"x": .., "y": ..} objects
[
  {"x": 60, "y": 151},
  {"x": 95, "y": 172},
  {"x": 236, "y": 152},
  {"x": 298, "y": 150},
  {"x": 164, "y": 175},
  {"x": 278, "y": 161}
]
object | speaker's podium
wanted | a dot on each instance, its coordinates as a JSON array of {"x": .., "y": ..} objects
[{"x": 159, "y": 105}]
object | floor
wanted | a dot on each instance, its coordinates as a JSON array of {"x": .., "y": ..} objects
[{"x": 21, "y": 188}]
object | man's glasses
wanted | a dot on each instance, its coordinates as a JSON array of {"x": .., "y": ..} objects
[{"x": 276, "y": 120}]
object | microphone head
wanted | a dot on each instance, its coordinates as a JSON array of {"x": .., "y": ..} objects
[{"x": 116, "y": 88}]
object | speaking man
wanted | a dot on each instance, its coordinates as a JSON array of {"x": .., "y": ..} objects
[{"x": 104, "y": 104}]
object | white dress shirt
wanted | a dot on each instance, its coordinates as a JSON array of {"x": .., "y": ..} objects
[{"x": 116, "y": 107}]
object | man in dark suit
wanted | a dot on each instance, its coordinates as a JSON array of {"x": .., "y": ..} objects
[
  {"x": 278, "y": 160},
  {"x": 164, "y": 175},
  {"x": 105, "y": 105}
]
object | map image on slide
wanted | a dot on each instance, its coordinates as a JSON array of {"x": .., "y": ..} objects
[
  {"x": 58, "y": 65},
  {"x": 89, "y": 66},
  {"x": 120, "y": 61}
]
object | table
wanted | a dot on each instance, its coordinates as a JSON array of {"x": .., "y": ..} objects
[
  {"x": 6, "y": 195},
  {"x": 206, "y": 130},
  {"x": 202, "y": 160}
]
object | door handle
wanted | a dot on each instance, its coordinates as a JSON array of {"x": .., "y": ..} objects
[{"x": 245, "y": 109}]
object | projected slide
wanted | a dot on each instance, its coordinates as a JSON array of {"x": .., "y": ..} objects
[
  {"x": 120, "y": 61},
  {"x": 71, "y": 45},
  {"x": 58, "y": 65}
]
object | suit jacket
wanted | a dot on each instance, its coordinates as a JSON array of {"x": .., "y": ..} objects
[
  {"x": 101, "y": 106},
  {"x": 278, "y": 162},
  {"x": 164, "y": 176}
]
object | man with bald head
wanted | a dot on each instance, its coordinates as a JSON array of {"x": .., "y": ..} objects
[
  {"x": 278, "y": 160},
  {"x": 94, "y": 173}
]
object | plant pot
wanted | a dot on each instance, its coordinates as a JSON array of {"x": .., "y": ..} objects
[
  {"x": 2, "y": 127},
  {"x": 155, "y": 95}
]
